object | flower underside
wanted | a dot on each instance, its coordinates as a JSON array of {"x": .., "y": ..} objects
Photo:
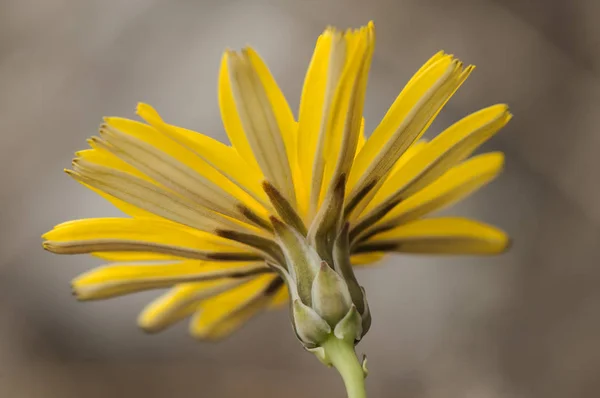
[{"x": 231, "y": 230}]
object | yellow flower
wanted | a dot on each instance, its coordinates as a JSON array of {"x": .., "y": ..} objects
[{"x": 202, "y": 212}]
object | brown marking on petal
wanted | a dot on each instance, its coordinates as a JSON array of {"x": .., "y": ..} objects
[
  {"x": 284, "y": 208},
  {"x": 359, "y": 196},
  {"x": 265, "y": 245},
  {"x": 86, "y": 247},
  {"x": 254, "y": 218},
  {"x": 273, "y": 287},
  {"x": 373, "y": 218}
]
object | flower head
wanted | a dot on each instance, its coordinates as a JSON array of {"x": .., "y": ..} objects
[{"x": 291, "y": 206}]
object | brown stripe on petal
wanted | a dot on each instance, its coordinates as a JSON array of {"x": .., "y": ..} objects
[
  {"x": 376, "y": 247},
  {"x": 107, "y": 245},
  {"x": 273, "y": 287},
  {"x": 150, "y": 197},
  {"x": 355, "y": 199},
  {"x": 265, "y": 245},
  {"x": 254, "y": 218},
  {"x": 358, "y": 240},
  {"x": 433, "y": 245},
  {"x": 106, "y": 282},
  {"x": 284, "y": 208},
  {"x": 326, "y": 223},
  {"x": 371, "y": 219}
]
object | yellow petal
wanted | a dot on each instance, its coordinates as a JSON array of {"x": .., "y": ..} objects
[
  {"x": 182, "y": 301},
  {"x": 447, "y": 235},
  {"x": 436, "y": 57},
  {"x": 121, "y": 257},
  {"x": 363, "y": 259},
  {"x": 265, "y": 127},
  {"x": 280, "y": 298},
  {"x": 154, "y": 198},
  {"x": 457, "y": 183},
  {"x": 222, "y": 314},
  {"x": 119, "y": 279},
  {"x": 107, "y": 159},
  {"x": 444, "y": 151},
  {"x": 408, "y": 155},
  {"x": 223, "y": 158},
  {"x": 361, "y": 138},
  {"x": 302, "y": 194},
  {"x": 389, "y": 186},
  {"x": 169, "y": 172},
  {"x": 313, "y": 103},
  {"x": 405, "y": 122},
  {"x": 149, "y": 235},
  {"x": 281, "y": 110},
  {"x": 404, "y": 103},
  {"x": 158, "y": 155},
  {"x": 344, "y": 121},
  {"x": 231, "y": 118}
]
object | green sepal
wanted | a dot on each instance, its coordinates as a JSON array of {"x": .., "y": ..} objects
[
  {"x": 342, "y": 264},
  {"x": 302, "y": 261},
  {"x": 310, "y": 327},
  {"x": 350, "y": 327},
  {"x": 330, "y": 296},
  {"x": 321, "y": 355}
]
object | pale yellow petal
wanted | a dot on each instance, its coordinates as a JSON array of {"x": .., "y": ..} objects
[
  {"x": 231, "y": 118},
  {"x": 221, "y": 157},
  {"x": 281, "y": 110},
  {"x": 173, "y": 165},
  {"x": 260, "y": 119},
  {"x": 154, "y": 198},
  {"x": 169, "y": 172},
  {"x": 107, "y": 159}
]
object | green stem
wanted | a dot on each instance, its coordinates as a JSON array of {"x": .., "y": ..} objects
[{"x": 341, "y": 355}]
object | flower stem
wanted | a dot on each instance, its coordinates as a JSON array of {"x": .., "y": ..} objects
[{"x": 341, "y": 355}]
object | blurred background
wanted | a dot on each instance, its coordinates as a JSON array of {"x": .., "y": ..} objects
[{"x": 522, "y": 325}]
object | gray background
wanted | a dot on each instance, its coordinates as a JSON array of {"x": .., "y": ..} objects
[{"x": 521, "y": 325}]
